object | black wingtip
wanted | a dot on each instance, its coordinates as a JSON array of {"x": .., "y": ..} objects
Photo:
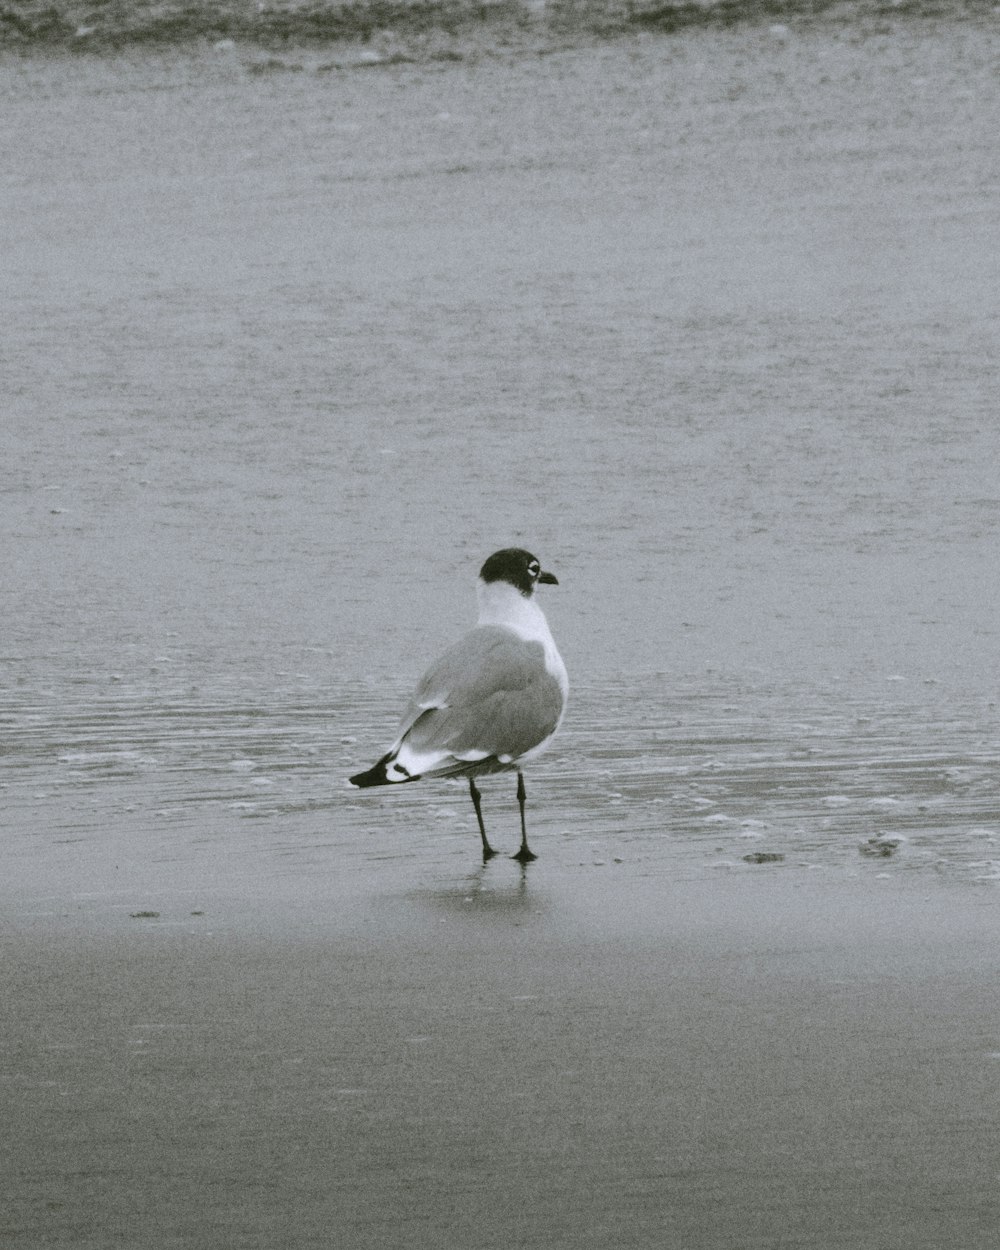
[
  {"x": 378, "y": 774},
  {"x": 375, "y": 776}
]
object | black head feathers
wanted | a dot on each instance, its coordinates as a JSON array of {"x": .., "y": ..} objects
[{"x": 517, "y": 567}]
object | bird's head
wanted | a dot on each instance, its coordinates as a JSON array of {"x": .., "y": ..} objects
[{"x": 517, "y": 567}]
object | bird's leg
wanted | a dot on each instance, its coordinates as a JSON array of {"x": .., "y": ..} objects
[
  {"x": 524, "y": 854},
  {"x": 488, "y": 851}
]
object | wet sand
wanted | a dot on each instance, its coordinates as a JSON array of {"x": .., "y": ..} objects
[{"x": 758, "y": 1061}]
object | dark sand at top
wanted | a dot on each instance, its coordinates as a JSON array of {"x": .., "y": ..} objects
[
  {"x": 754, "y": 1062},
  {"x": 407, "y": 30}
]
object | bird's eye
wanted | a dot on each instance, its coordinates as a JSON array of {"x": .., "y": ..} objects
[{"x": 534, "y": 568}]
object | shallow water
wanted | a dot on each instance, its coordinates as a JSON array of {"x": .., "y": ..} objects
[{"x": 708, "y": 322}]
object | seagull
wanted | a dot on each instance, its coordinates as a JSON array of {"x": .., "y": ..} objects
[{"x": 493, "y": 701}]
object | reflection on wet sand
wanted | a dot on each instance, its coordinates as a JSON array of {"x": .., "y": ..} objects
[{"x": 484, "y": 895}]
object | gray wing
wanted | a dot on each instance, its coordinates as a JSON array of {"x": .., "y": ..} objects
[{"x": 489, "y": 693}]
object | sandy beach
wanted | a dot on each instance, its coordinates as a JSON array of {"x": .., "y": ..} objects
[
  {"x": 294, "y": 336},
  {"x": 769, "y": 1060}
]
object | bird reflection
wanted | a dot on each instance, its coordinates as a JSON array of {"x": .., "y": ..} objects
[{"x": 482, "y": 895}]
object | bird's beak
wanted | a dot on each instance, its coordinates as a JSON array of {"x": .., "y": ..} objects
[{"x": 548, "y": 579}]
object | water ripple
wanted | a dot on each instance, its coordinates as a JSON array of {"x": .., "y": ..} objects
[{"x": 704, "y": 777}]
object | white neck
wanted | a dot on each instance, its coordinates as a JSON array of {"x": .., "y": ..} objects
[{"x": 501, "y": 604}]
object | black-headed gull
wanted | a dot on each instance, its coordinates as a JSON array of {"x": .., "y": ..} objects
[{"x": 493, "y": 701}]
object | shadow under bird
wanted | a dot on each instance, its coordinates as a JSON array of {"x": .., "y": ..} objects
[{"x": 493, "y": 701}]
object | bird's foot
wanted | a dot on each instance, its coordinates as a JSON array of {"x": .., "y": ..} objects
[
  {"x": 488, "y": 852},
  {"x": 524, "y": 856}
]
